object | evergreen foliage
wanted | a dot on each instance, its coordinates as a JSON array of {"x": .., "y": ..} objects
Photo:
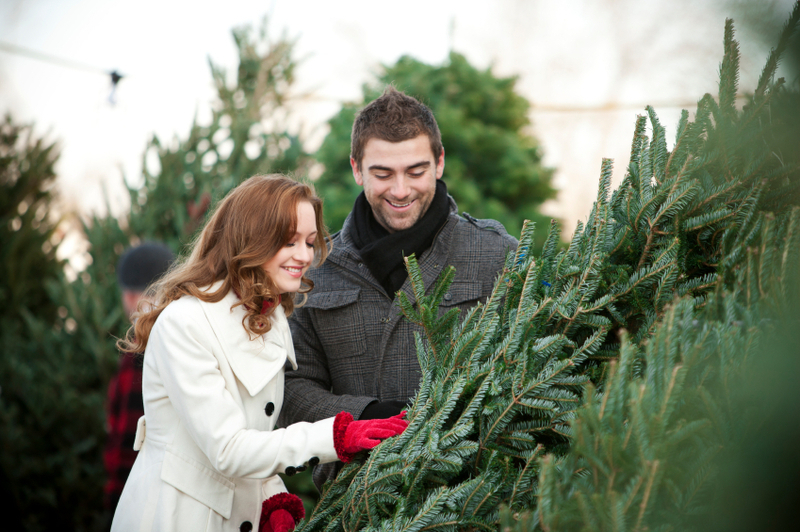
[
  {"x": 646, "y": 452},
  {"x": 493, "y": 167},
  {"x": 51, "y": 402},
  {"x": 247, "y": 135},
  {"x": 29, "y": 263},
  {"x": 569, "y": 391},
  {"x": 58, "y": 332},
  {"x": 26, "y": 225}
]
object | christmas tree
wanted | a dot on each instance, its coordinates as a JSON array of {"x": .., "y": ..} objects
[
  {"x": 26, "y": 225},
  {"x": 567, "y": 398}
]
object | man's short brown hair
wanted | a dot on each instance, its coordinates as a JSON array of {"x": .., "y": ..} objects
[{"x": 394, "y": 117}]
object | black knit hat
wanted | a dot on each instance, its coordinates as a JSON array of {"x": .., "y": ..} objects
[{"x": 141, "y": 265}]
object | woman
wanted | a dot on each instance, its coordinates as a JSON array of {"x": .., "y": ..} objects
[{"x": 215, "y": 344}]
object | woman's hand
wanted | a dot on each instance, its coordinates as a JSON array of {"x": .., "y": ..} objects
[
  {"x": 281, "y": 513},
  {"x": 279, "y": 521},
  {"x": 351, "y": 437}
]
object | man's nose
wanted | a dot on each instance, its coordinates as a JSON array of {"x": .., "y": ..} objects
[{"x": 400, "y": 189}]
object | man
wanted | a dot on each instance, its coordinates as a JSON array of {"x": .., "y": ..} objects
[
  {"x": 138, "y": 267},
  {"x": 354, "y": 351}
]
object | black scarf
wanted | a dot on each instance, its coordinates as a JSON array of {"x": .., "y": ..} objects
[{"x": 382, "y": 251}]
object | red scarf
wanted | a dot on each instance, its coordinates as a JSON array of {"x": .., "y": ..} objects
[
  {"x": 268, "y": 304},
  {"x": 265, "y": 305}
]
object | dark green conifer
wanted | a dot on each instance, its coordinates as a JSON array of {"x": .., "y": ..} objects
[
  {"x": 533, "y": 400},
  {"x": 27, "y": 223}
]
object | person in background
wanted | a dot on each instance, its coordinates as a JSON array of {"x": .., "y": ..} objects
[
  {"x": 216, "y": 342},
  {"x": 138, "y": 267},
  {"x": 354, "y": 351}
]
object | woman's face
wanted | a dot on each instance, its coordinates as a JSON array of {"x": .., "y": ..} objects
[{"x": 287, "y": 267}]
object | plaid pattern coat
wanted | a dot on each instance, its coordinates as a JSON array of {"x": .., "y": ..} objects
[
  {"x": 124, "y": 408},
  {"x": 350, "y": 339}
]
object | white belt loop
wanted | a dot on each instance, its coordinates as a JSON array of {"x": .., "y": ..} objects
[{"x": 141, "y": 429}]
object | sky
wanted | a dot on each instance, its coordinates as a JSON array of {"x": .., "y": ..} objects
[{"x": 588, "y": 66}]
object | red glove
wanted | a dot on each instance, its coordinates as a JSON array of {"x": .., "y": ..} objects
[
  {"x": 281, "y": 513},
  {"x": 350, "y": 437},
  {"x": 279, "y": 521}
]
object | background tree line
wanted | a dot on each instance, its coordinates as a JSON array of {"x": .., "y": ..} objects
[{"x": 58, "y": 333}]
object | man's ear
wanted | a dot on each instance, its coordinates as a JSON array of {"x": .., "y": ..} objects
[
  {"x": 440, "y": 165},
  {"x": 356, "y": 172}
]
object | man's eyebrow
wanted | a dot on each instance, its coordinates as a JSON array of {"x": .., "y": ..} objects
[{"x": 421, "y": 164}]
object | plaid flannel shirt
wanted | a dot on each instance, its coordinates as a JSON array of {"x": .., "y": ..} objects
[{"x": 125, "y": 407}]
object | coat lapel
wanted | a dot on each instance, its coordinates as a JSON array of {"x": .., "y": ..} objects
[{"x": 255, "y": 361}]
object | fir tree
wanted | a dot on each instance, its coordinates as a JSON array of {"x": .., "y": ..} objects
[
  {"x": 27, "y": 229},
  {"x": 27, "y": 224},
  {"x": 646, "y": 452},
  {"x": 248, "y": 135},
  {"x": 511, "y": 389}
]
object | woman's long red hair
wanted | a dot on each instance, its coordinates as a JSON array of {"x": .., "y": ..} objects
[{"x": 247, "y": 228}]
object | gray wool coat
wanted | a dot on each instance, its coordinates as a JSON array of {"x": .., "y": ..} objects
[{"x": 352, "y": 343}]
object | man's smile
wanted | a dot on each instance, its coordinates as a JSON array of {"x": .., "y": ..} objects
[{"x": 399, "y": 205}]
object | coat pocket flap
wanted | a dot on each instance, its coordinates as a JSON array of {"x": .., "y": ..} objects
[
  {"x": 462, "y": 292},
  {"x": 332, "y": 298},
  {"x": 199, "y": 482}
]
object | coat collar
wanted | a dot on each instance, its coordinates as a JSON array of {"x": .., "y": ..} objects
[{"x": 255, "y": 361}]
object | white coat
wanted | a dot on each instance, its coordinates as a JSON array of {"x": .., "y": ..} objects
[{"x": 208, "y": 455}]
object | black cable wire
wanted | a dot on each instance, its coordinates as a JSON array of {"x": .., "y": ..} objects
[
  {"x": 66, "y": 63},
  {"x": 116, "y": 77}
]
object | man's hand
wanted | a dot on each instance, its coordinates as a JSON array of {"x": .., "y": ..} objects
[{"x": 382, "y": 409}]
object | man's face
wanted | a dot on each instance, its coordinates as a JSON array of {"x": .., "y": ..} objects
[{"x": 399, "y": 180}]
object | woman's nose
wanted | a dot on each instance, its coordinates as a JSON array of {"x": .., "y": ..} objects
[{"x": 305, "y": 254}]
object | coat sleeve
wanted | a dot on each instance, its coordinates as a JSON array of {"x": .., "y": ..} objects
[
  {"x": 180, "y": 344},
  {"x": 307, "y": 390}
]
